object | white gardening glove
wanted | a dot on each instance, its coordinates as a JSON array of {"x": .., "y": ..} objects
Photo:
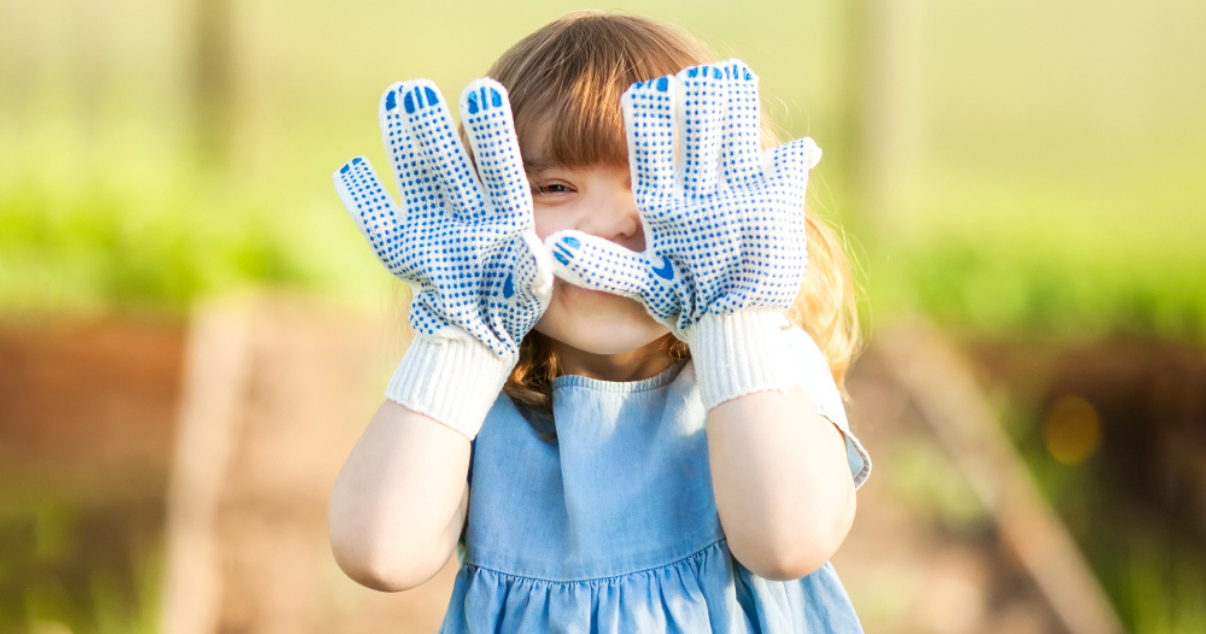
[
  {"x": 725, "y": 250},
  {"x": 466, "y": 246}
]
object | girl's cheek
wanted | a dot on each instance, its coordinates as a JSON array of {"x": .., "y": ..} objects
[
  {"x": 542, "y": 225},
  {"x": 548, "y": 221}
]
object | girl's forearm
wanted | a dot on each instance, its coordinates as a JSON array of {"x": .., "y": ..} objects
[
  {"x": 781, "y": 481},
  {"x": 398, "y": 506}
]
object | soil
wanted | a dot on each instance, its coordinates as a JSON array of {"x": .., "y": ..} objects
[{"x": 89, "y": 405}]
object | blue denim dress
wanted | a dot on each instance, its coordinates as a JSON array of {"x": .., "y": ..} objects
[{"x": 613, "y": 527}]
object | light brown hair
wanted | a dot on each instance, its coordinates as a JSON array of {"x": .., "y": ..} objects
[{"x": 570, "y": 74}]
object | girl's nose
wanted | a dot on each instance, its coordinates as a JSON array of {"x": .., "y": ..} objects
[{"x": 615, "y": 218}]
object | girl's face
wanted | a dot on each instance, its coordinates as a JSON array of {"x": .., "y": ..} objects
[{"x": 596, "y": 200}]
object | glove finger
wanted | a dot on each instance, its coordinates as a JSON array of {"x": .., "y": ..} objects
[
  {"x": 741, "y": 149},
  {"x": 429, "y": 121},
  {"x": 374, "y": 212},
  {"x": 649, "y": 122},
  {"x": 700, "y": 110},
  {"x": 789, "y": 163},
  {"x": 486, "y": 114},
  {"x": 412, "y": 172},
  {"x": 598, "y": 264}
]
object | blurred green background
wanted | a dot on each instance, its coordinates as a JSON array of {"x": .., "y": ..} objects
[
  {"x": 1019, "y": 167},
  {"x": 1013, "y": 171}
]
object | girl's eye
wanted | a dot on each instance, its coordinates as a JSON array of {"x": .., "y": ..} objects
[{"x": 550, "y": 188}]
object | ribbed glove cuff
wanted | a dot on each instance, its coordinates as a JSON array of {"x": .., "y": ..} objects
[
  {"x": 454, "y": 381},
  {"x": 742, "y": 353}
]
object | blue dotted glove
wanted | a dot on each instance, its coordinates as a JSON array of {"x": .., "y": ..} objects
[
  {"x": 724, "y": 224},
  {"x": 725, "y": 251},
  {"x": 465, "y": 245}
]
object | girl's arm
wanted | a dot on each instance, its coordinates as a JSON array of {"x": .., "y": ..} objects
[
  {"x": 480, "y": 280},
  {"x": 398, "y": 505},
  {"x": 781, "y": 481}
]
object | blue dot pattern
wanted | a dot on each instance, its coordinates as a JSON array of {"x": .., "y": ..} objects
[
  {"x": 724, "y": 223},
  {"x": 463, "y": 238}
]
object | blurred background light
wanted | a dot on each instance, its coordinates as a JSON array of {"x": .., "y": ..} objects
[{"x": 1072, "y": 430}]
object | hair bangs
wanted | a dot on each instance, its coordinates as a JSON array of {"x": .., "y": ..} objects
[
  {"x": 581, "y": 133},
  {"x": 569, "y": 76}
]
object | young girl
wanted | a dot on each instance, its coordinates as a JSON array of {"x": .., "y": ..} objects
[{"x": 606, "y": 404}]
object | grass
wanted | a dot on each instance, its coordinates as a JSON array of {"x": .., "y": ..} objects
[{"x": 78, "y": 567}]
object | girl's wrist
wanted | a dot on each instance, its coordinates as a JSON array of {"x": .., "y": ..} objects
[
  {"x": 454, "y": 381},
  {"x": 741, "y": 353}
]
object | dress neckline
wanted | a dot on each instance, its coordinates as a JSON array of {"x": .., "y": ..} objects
[{"x": 662, "y": 379}]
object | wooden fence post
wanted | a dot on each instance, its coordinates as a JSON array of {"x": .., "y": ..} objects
[{"x": 213, "y": 399}]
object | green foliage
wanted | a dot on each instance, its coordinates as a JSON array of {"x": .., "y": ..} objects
[
  {"x": 1150, "y": 565},
  {"x": 98, "y": 253},
  {"x": 995, "y": 287},
  {"x": 67, "y": 564},
  {"x": 1160, "y": 585},
  {"x": 1013, "y": 160}
]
